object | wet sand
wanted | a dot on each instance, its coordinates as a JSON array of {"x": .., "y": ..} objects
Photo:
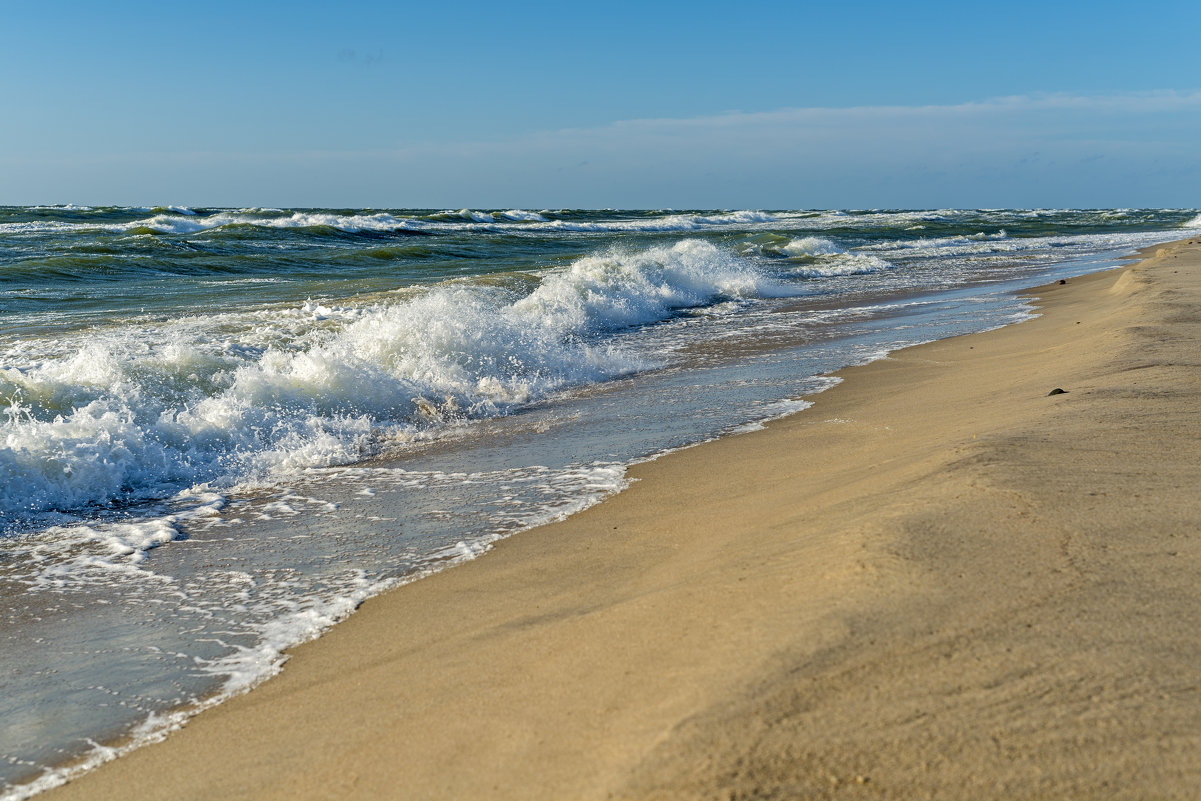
[{"x": 938, "y": 582}]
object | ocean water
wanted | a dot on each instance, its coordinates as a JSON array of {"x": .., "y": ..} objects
[{"x": 225, "y": 428}]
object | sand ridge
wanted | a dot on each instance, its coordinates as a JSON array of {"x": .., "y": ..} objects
[{"x": 938, "y": 582}]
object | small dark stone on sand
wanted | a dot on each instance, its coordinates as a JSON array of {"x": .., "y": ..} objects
[
  {"x": 1062, "y": 281},
  {"x": 1057, "y": 391}
]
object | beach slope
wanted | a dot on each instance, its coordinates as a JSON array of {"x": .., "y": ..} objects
[{"x": 938, "y": 582}]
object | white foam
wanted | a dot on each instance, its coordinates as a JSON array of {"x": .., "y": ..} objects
[
  {"x": 958, "y": 245},
  {"x": 307, "y": 618},
  {"x": 1193, "y": 223},
  {"x": 844, "y": 264},
  {"x": 133, "y": 540},
  {"x": 775, "y": 411},
  {"x": 73, "y": 555}
]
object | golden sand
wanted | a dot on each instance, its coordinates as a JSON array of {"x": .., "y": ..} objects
[{"x": 938, "y": 582}]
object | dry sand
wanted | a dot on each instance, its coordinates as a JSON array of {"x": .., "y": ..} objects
[{"x": 939, "y": 582}]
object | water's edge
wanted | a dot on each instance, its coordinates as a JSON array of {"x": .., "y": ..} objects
[{"x": 158, "y": 726}]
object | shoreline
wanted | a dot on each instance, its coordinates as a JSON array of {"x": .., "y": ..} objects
[{"x": 670, "y": 641}]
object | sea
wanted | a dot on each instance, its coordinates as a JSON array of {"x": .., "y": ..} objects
[{"x": 224, "y": 428}]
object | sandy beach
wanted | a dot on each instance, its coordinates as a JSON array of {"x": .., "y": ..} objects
[{"x": 938, "y": 582}]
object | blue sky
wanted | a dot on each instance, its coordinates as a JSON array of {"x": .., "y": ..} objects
[{"x": 735, "y": 104}]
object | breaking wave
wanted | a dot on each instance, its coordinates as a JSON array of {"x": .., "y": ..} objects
[
  {"x": 131, "y": 413},
  {"x": 816, "y": 257}
]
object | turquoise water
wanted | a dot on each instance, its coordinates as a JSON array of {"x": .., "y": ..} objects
[{"x": 224, "y": 428}]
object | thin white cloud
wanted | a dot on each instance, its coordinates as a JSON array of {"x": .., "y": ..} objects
[
  {"x": 1011, "y": 150},
  {"x": 859, "y": 119}
]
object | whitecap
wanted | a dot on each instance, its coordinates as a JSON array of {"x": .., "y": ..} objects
[{"x": 520, "y": 215}]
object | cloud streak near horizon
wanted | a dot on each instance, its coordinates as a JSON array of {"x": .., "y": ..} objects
[{"x": 1043, "y": 150}]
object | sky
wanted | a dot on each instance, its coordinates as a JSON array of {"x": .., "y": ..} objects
[{"x": 611, "y": 105}]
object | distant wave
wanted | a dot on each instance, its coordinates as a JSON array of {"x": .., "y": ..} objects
[
  {"x": 183, "y": 220},
  {"x": 670, "y": 222},
  {"x": 189, "y": 222},
  {"x": 180, "y": 220}
]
